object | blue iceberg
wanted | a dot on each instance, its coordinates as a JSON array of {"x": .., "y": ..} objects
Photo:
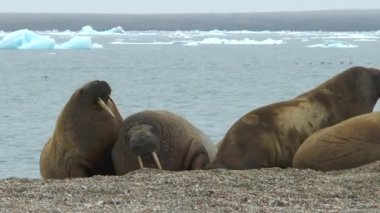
[{"x": 26, "y": 39}]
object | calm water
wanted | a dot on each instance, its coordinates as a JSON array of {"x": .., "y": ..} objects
[{"x": 211, "y": 85}]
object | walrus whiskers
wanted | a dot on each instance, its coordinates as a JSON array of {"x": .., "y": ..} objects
[
  {"x": 105, "y": 107},
  {"x": 156, "y": 160},
  {"x": 140, "y": 162}
]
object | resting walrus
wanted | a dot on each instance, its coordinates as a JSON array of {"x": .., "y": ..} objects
[
  {"x": 348, "y": 144},
  {"x": 160, "y": 139},
  {"x": 84, "y": 135},
  {"x": 269, "y": 136}
]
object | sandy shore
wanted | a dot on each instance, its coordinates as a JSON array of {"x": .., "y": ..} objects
[{"x": 147, "y": 190}]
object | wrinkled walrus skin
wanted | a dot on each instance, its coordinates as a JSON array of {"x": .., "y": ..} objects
[
  {"x": 269, "y": 136},
  {"x": 348, "y": 144},
  {"x": 177, "y": 144},
  {"x": 84, "y": 135}
]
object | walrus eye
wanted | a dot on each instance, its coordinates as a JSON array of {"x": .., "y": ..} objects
[{"x": 105, "y": 107}]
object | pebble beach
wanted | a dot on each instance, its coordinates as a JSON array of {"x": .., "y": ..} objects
[{"x": 152, "y": 190}]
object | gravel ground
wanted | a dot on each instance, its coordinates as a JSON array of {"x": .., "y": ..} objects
[{"x": 150, "y": 190}]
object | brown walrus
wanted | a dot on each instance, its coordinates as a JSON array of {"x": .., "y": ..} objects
[
  {"x": 348, "y": 144},
  {"x": 160, "y": 139},
  {"x": 269, "y": 136},
  {"x": 84, "y": 135}
]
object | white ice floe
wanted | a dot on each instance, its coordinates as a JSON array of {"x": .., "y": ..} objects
[
  {"x": 207, "y": 41},
  {"x": 142, "y": 43},
  {"x": 333, "y": 44},
  {"x": 349, "y": 35},
  {"x": 78, "y": 42},
  {"x": 365, "y": 40},
  {"x": 245, "y": 41},
  {"x": 88, "y": 30}
]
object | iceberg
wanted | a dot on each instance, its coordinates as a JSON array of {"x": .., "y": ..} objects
[
  {"x": 88, "y": 30},
  {"x": 78, "y": 42},
  {"x": 116, "y": 30},
  {"x": 333, "y": 44},
  {"x": 29, "y": 40},
  {"x": 25, "y": 39}
]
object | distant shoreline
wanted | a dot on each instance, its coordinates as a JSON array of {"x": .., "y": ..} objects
[{"x": 325, "y": 20}]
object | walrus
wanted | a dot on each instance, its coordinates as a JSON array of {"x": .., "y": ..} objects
[
  {"x": 163, "y": 140},
  {"x": 348, "y": 144},
  {"x": 270, "y": 135},
  {"x": 84, "y": 135}
]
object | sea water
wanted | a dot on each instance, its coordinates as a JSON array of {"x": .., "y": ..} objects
[{"x": 210, "y": 78}]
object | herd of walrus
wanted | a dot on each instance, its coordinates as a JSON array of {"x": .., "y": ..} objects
[{"x": 330, "y": 127}]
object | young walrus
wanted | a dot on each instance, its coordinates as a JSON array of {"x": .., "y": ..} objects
[
  {"x": 84, "y": 135},
  {"x": 163, "y": 140}
]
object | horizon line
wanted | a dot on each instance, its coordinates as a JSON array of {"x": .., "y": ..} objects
[{"x": 187, "y": 13}]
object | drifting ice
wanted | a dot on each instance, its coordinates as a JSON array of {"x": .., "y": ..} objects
[
  {"x": 333, "y": 44},
  {"x": 88, "y": 30},
  {"x": 78, "y": 42},
  {"x": 26, "y": 39}
]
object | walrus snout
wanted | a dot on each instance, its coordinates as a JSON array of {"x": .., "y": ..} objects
[
  {"x": 155, "y": 158},
  {"x": 97, "y": 93},
  {"x": 105, "y": 106},
  {"x": 144, "y": 140},
  {"x": 142, "y": 147}
]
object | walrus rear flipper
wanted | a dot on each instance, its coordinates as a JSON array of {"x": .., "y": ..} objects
[{"x": 196, "y": 156}]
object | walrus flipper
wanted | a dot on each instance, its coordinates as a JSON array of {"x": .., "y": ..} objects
[
  {"x": 77, "y": 171},
  {"x": 196, "y": 156}
]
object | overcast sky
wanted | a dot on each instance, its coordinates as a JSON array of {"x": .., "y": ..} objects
[{"x": 179, "y": 6}]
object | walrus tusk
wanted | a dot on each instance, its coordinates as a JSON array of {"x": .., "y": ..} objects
[
  {"x": 105, "y": 107},
  {"x": 156, "y": 160},
  {"x": 140, "y": 162}
]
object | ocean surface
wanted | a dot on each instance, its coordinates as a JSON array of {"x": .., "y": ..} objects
[{"x": 211, "y": 78}]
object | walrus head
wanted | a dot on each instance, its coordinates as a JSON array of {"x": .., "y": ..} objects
[
  {"x": 143, "y": 141},
  {"x": 96, "y": 93}
]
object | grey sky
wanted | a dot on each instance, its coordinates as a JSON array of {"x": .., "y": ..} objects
[{"x": 179, "y": 6}]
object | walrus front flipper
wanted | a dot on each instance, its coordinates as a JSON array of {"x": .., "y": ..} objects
[
  {"x": 196, "y": 156},
  {"x": 199, "y": 161},
  {"x": 77, "y": 171}
]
